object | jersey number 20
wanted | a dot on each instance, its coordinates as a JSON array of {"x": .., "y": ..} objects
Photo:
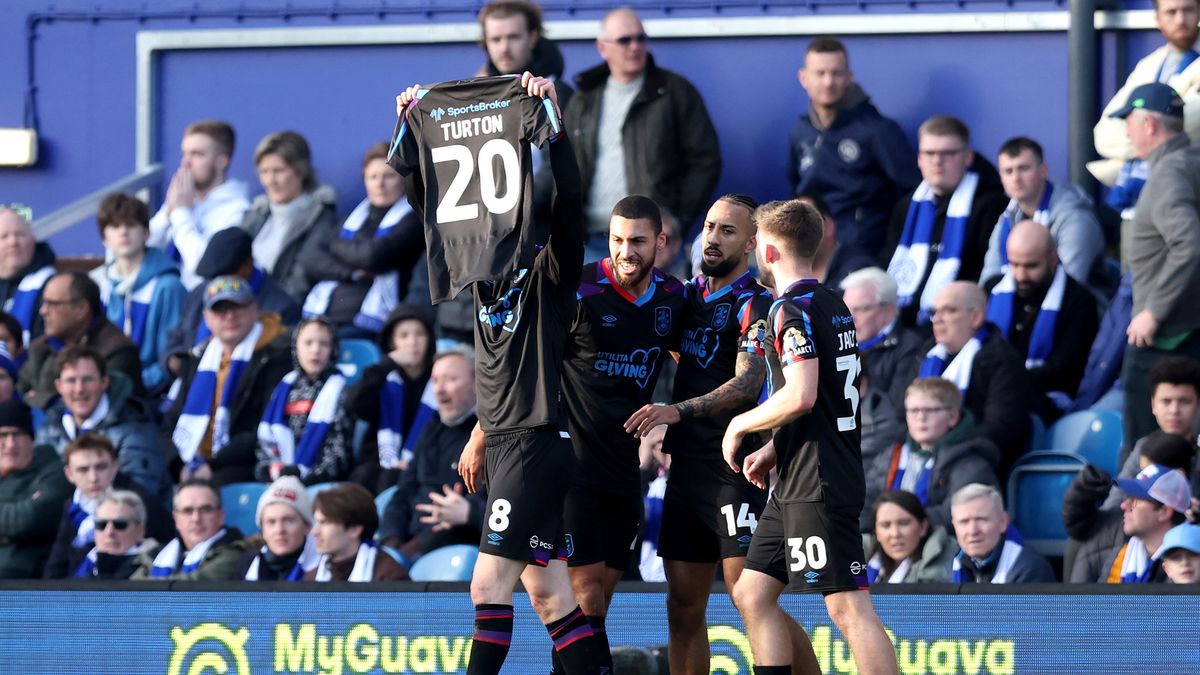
[{"x": 449, "y": 209}]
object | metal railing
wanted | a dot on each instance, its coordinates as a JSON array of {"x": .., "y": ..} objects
[{"x": 85, "y": 207}]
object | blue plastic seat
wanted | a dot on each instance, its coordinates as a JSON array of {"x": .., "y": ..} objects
[
  {"x": 1095, "y": 435},
  {"x": 448, "y": 563},
  {"x": 355, "y": 356},
  {"x": 319, "y": 487},
  {"x": 382, "y": 499},
  {"x": 240, "y": 501},
  {"x": 1035, "y": 497}
]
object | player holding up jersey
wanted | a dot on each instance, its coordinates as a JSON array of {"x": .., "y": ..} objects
[
  {"x": 519, "y": 342},
  {"x": 709, "y": 512},
  {"x": 808, "y": 533},
  {"x": 629, "y": 319}
]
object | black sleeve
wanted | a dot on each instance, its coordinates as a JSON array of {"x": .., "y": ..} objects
[
  {"x": 565, "y": 248},
  {"x": 1076, "y": 330},
  {"x": 1004, "y": 417},
  {"x": 398, "y": 513},
  {"x": 56, "y": 564},
  {"x": 362, "y": 399},
  {"x": 700, "y": 155},
  {"x": 895, "y": 230},
  {"x": 1081, "y": 503},
  {"x": 319, "y": 265},
  {"x": 985, "y": 217}
]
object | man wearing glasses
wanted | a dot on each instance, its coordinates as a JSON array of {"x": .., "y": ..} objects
[
  {"x": 205, "y": 547},
  {"x": 940, "y": 232},
  {"x": 33, "y": 491},
  {"x": 120, "y": 537},
  {"x": 639, "y": 129}
]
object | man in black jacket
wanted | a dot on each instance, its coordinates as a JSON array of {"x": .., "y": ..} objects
[
  {"x": 224, "y": 385},
  {"x": 428, "y": 509},
  {"x": 1045, "y": 315},
  {"x": 971, "y": 353},
  {"x": 639, "y": 129}
]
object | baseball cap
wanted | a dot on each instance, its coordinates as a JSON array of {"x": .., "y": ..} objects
[
  {"x": 1153, "y": 97},
  {"x": 286, "y": 490},
  {"x": 1160, "y": 484},
  {"x": 227, "y": 289},
  {"x": 1185, "y": 536},
  {"x": 225, "y": 253}
]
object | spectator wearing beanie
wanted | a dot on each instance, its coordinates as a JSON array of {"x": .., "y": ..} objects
[
  {"x": 33, "y": 491},
  {"x": 284, "y": 515},
  {"x": 395, "y": 398},
  {"x": 344, "y": 524}
]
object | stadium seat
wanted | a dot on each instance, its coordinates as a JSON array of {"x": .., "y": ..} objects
[
  {"x": 240, "y": 501},
  {"x": 1038, "y": 438},
  {"x": 314, "y": 489},
  {"x": 355, "y": 356},
  {"x": 1035, "y": 497},
  {"x": 1095, "y": 435},
  {"x": 448, "y": 563},
  {"x": 382, "y": 499}
]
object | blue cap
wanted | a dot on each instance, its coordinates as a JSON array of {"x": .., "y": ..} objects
[
  {"x": 1160, "y": 484},
  {"x": 1153, "y": 97},
  {"x": 1185, "y": 536}
]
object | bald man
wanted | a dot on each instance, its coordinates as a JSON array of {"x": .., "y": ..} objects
[
  {"x": 638, "y": 129},
  {"x": 1046, "y": 315},
  {"x": 25, "y": 266},
  {"x": 970, "y": 352}
]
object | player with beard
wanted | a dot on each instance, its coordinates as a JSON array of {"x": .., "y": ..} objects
[
  {"x": 808, "y": 533},
  {"x": 629, "y": 318},
  {"x": 709, "y": 512}
]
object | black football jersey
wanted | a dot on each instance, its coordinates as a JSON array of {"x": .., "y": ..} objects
[
  {"x": 614, "y": 358},
  {"x": 468, "y": 141},
  {"x": 820, "y": 455},
  {"x": 722, "y": 325}
]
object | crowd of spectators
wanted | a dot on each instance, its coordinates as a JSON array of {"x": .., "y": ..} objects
[{"x": 203, "y": 351}]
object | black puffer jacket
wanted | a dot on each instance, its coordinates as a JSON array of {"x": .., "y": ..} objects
[{"x": 671, "y": 151}]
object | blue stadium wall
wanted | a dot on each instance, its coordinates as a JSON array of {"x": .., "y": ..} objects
[{"x": 341, "y": 97}]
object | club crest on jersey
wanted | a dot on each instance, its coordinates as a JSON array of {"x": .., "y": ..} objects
[
  {"x": 721, "y": 315},
  {"x": 662, "y": 320},
  {"x": 795, "y": 343}
]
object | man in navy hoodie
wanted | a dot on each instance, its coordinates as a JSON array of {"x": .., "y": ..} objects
[{"x": 845, "y": 152}]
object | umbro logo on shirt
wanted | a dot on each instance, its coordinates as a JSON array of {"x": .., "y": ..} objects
[{"x": 608, "y": 320}]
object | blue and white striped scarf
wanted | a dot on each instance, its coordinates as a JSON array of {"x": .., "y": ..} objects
[
  {"x": 309, "y": 559},
  {"x": 958, "y": 370},
  {"x": 879, "y": 337},
  {"x": 921, "y": 488},
  {"x": 168, "y": 558},
  {"x": 134, "y": 308},
  {"x": 1008, "y": 557},
  {"x": 82, "y": 513},
  {"x": 1041, "y": 340},
  {"x": 88, "y": 566},
  {"x": 875, "y": 570},
  {"x": 384, "y": 294},
  {"x": 1041, "y": 216},
  {"x": 911, "y": 258},
  {"x": 23, "y": 305},
  {"x": 397, "y": 436},
  {"x": 1137, "y": 564},
  {"x": 197, "y": 407},
  {"x": 275, "y": 436}
]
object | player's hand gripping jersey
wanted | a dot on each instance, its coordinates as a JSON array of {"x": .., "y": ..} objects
[
  {"x": 466, "y": 146},
  {"x": 819, "y": 454}
]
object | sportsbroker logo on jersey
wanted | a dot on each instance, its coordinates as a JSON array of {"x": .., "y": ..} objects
[{"x": 477, "y": 107}]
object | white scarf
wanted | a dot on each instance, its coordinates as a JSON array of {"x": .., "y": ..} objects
[
  {"x": 384, "y": 294},
  {"x": 309, "y": 558},
  {"x": 364, "y": 564},
  {"x": 959, "y": 370},
  {"x": 911, "y": 258},
  {"x": 1136, "y": 562},
  {"x": 167, "y": 559},
  {"x": 275, "y": 436},
  {"x": 875, "y": 568},
  {"x": 90, "y": 424},
  {"x": 197, "y": 407},
  {"x": 1008, "y": 558}
]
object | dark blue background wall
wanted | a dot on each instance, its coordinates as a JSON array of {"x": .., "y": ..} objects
[{"x": 341, "y": 98}]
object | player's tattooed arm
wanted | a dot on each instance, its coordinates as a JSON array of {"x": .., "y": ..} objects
[{"x": 739, "y": 391}]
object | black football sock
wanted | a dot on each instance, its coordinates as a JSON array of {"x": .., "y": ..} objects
[{"x": 493, "y": 637}]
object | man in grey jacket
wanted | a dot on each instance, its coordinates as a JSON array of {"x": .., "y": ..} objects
[
  {"x": 1162, "y": 248},
  {"x": 1062, "y": 208}
]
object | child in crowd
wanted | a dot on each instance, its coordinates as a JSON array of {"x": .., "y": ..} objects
[{"x": 305, "y": 429}]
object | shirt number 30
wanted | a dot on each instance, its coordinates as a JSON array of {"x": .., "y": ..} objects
[
  {"x": 808, "y": 552},
  {"x": 449, "y": 209}
]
